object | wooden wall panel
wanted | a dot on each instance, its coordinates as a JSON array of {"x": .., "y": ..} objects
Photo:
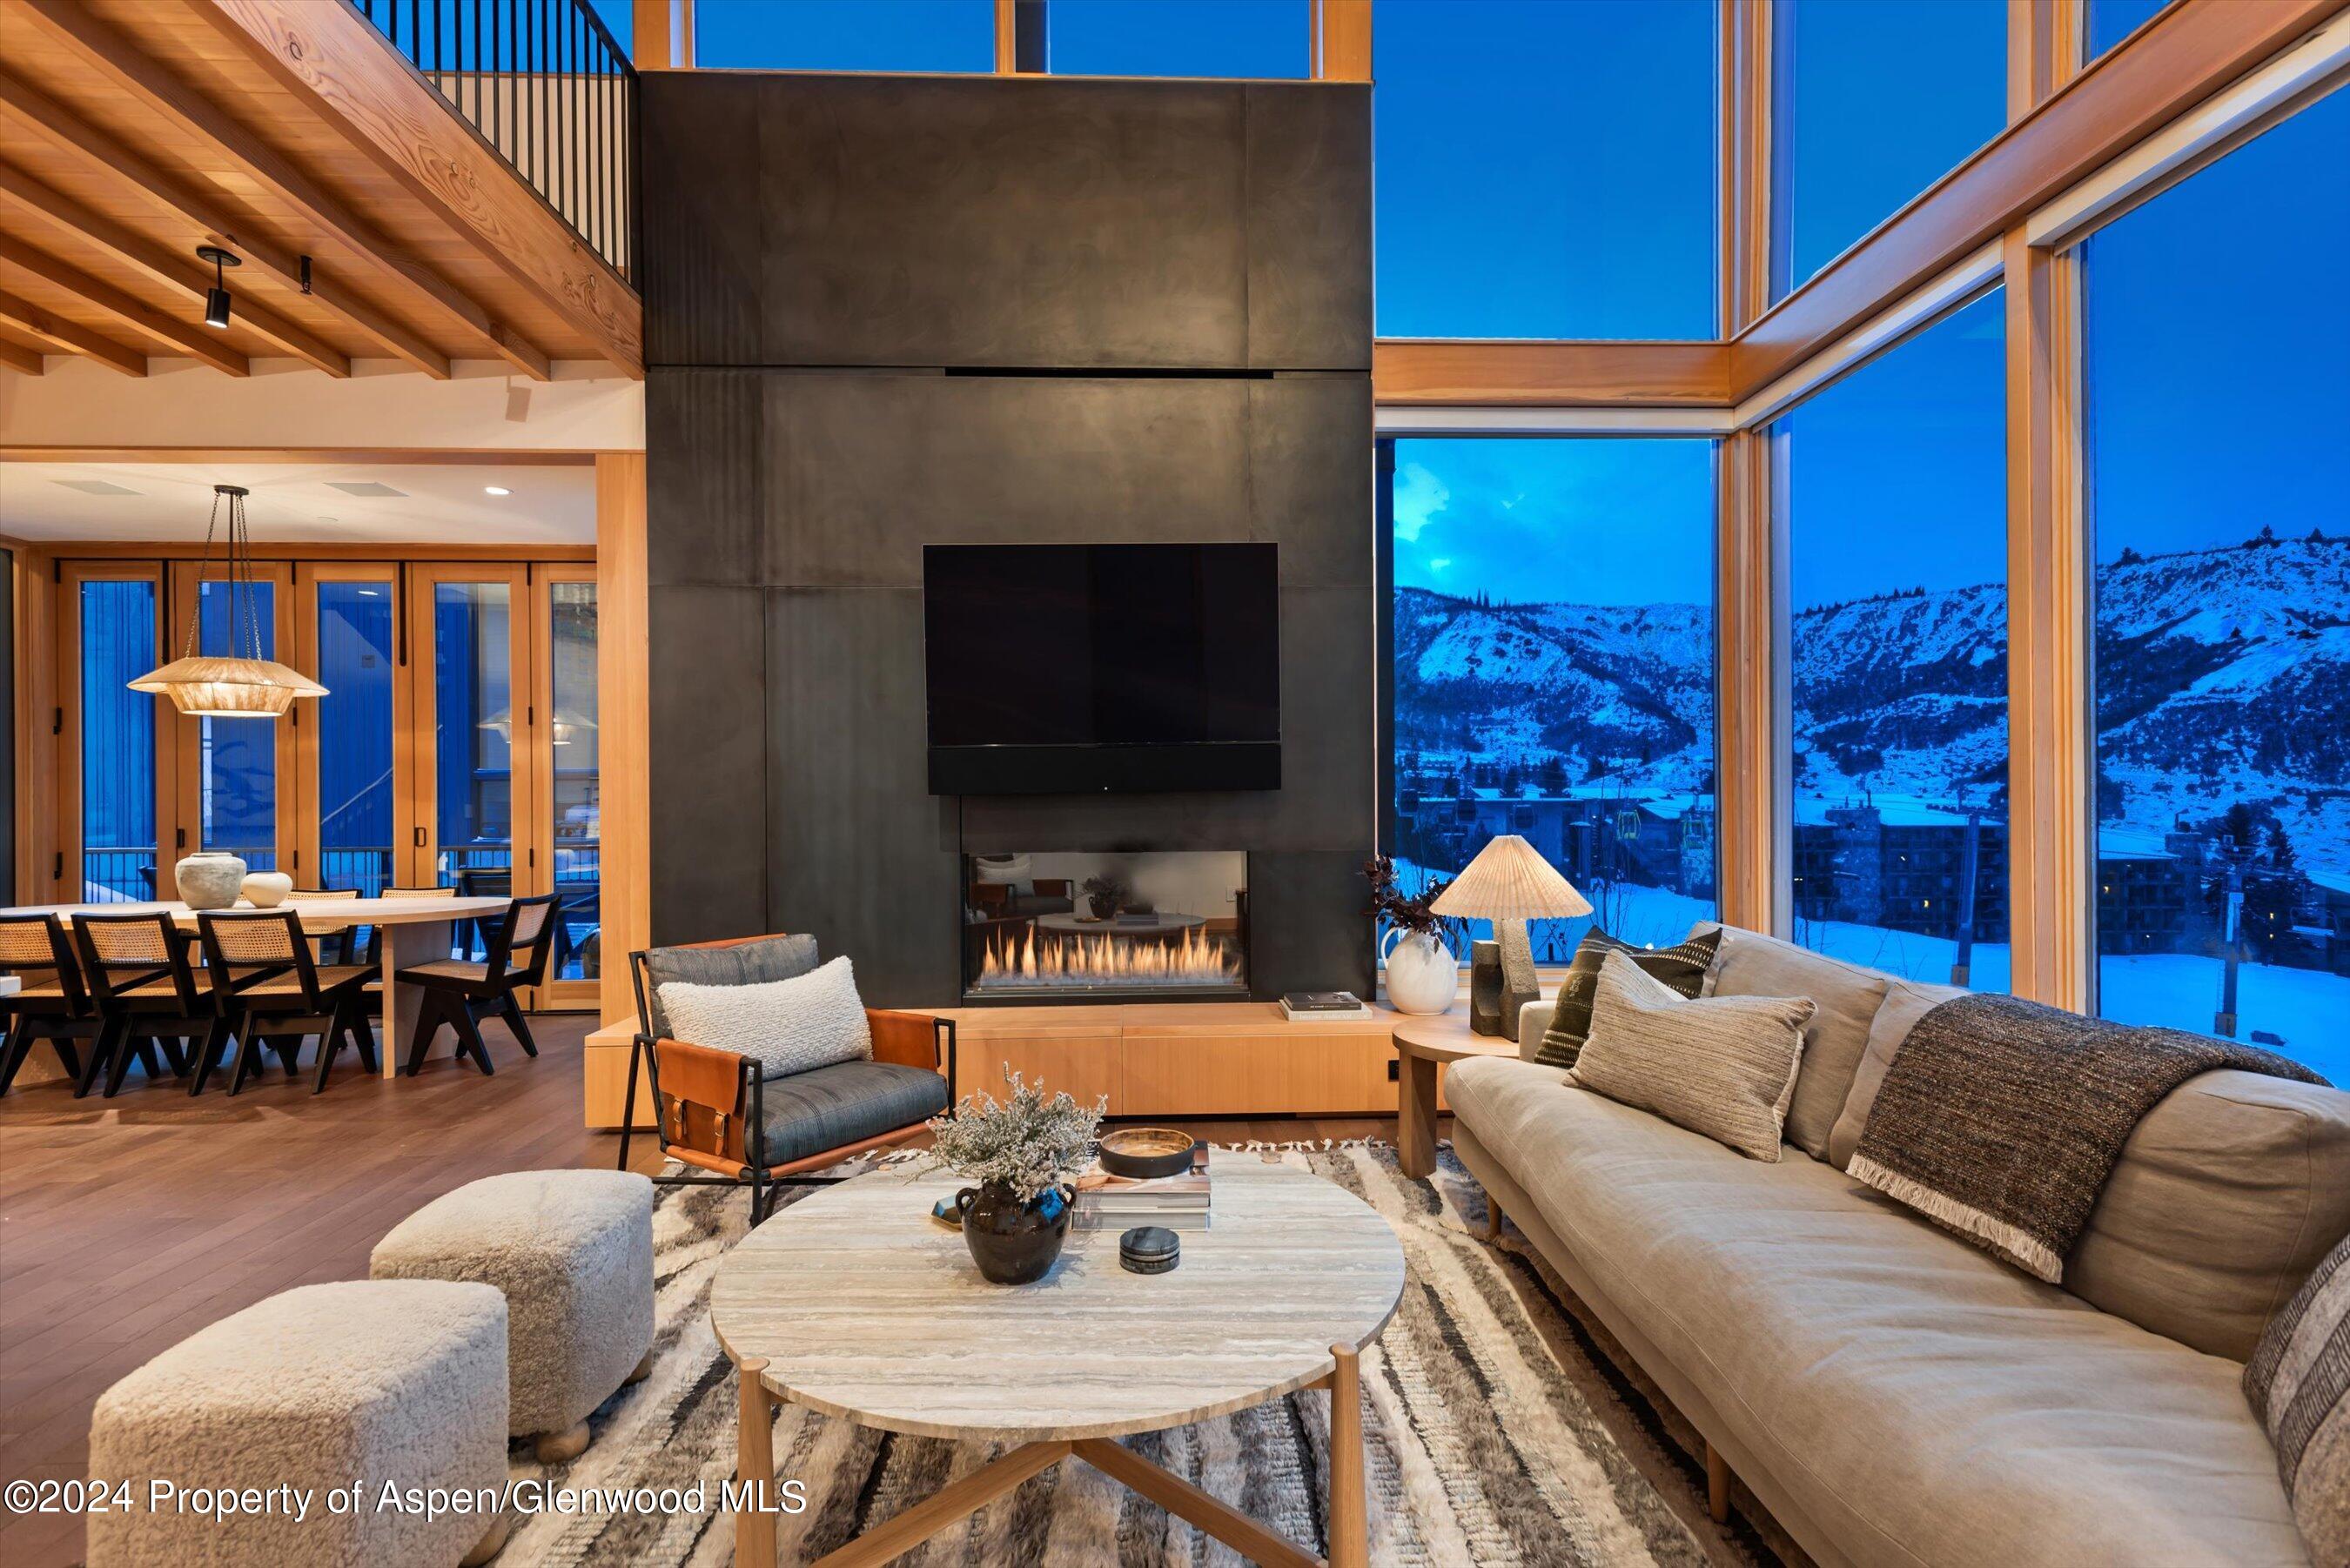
[
  {"x": 1409, "y": 370},
  {"x": 623, "y": 739}
]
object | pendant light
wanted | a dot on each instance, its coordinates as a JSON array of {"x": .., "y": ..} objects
[{"x": 239, "y": 686}]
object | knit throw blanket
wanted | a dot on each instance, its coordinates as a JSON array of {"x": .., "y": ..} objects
[{"x": 2000, "y": 1119}]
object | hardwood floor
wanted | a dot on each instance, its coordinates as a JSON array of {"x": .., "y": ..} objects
[{"x": 126, "y": 1225}]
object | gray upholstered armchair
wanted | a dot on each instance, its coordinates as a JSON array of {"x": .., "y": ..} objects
[{"x": 720, "y": 1113}]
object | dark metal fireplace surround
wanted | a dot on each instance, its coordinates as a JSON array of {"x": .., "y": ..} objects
[{"x": 1104, "y": 926}]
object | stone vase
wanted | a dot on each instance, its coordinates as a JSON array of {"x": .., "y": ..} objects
[
  {"x": 209, "y": 879},
  {"x": 1422, "y": 977},
  {"x": 266, "y": 889},
  {"x": 1014, "y": 1243}
]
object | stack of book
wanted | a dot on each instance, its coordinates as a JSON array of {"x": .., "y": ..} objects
[
  {"x": 1106, "y": 1202},
  {"x": 1323, "y": 1006}
]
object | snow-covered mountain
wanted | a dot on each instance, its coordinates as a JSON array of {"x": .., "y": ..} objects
[{"x": 2223, "y": 675}]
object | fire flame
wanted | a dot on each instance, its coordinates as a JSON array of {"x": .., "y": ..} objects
[{"x": 1023, "y": 961}]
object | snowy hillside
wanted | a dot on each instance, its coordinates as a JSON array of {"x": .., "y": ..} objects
[{"x": 2224, "y": 675}]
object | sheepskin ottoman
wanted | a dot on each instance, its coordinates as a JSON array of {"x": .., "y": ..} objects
[
  {"x": 573, "y": 1251},
  {"x": 301, "y": 1398}
]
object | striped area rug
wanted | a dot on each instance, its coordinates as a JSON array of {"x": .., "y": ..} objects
[{"x": 1499, "y": 1428}]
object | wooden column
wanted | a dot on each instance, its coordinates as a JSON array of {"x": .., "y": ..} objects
[
  {"x": 664, "y": 35},
  {"x": 36, "y": 706},
  {"x": 2051, "y": 846},
  {"x": 624, "y": 734},
  {"x": 1341, "y": 47},
  {"x": 1752, "y": 771},
  {"x": 1744, "y": 222},
  {"x": 2043, "y": 50}
]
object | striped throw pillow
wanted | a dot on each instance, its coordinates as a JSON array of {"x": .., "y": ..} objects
[
  {"x": 1683, "y": 967},
  {"x": 2299, "y": 1383}
]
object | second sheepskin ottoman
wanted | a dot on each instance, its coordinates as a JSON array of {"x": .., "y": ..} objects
[{"x": 573, "y": 1251}]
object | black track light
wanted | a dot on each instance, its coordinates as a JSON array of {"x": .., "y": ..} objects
[{"x": 216, "y": 296}]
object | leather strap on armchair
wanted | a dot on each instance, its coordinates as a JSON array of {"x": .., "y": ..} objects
[{"x": 701, "y": 1099}]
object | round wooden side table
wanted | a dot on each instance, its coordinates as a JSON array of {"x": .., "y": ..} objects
[{"x": 1422, "y": 1044}]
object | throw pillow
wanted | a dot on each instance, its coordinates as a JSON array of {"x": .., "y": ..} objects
[
  {"x": 1683, "y": 966},
  {"x": 1723, "y": 1065},
  {"x": 795, "y": 1025},
  {"x": 734, "y": 964},
  {"x": 2297, "y": 1380}
]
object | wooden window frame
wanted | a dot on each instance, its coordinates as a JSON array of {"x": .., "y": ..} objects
[
  {"x": 183, "y": 835},
  {"x": 65, "y": 878},
  {"x": 309, "y": 577},
  {"x": 585, "y": 994}
]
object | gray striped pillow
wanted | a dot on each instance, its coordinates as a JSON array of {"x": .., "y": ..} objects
[
  {"x": 1682, "y": 966},
  {"x": 1721, "y": 1066},
  {"x": 2297, "y": 1380}
]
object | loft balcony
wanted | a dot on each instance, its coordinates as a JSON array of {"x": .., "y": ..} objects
[{"x": 419, "y": 182}]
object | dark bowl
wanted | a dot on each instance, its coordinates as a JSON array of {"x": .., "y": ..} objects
[{"x": 1142, "y": 1153}]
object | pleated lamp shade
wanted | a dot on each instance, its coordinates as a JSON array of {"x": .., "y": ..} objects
[
  {"x": 1509, "y": 881},
  {"x": 212, "y": 687}
]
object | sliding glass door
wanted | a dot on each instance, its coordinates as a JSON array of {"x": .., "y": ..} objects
[
  {"x": 115, "y": 779},
  {"x": 236, "y": 775},
  {"x": 569, "y": 843},
  {"x": 352, "y": 817},
  {"x": 469, "y": 634}
]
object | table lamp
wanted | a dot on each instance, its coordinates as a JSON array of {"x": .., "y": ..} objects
[{"x": 1508, "y": 884}]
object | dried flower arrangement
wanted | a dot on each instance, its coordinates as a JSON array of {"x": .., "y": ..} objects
[
  {"x": 1024, "y": 1142},
  {"x": 1388, "y": 902}
]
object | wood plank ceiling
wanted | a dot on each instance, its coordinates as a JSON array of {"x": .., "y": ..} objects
[{"x": 132, "y": 131}]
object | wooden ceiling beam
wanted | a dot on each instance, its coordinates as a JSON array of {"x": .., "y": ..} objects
[
  {"x": 62, "y": 127},
  {"x": 120, "y": 60},
  {"x": 332, "y": 57},
  {"x": 184, "y": 277},
  {"x": 177, "y": 337},
  {"x": 70, "y": 336},
  {"x": 24, "y": 362}
]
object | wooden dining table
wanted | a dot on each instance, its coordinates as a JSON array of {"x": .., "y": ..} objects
[{"x": 415, "y": 931}]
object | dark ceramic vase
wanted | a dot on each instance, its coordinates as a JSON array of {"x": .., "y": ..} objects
[{"x": 1014, "y": 1243}]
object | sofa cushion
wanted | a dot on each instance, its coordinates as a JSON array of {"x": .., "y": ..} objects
[
  {"x": 832, "y": 1107},
  {"x": 1723, "y": 1065},
  {"x": 1906, "y": 1001},
  {"x": 2228, "y": 1193},
  {"x": 2299, "y": 1384},
  {"x": 1847, "y": 995},
  {"x": 736, "y": 963},
  {"x": 1924, "y": 1401},
  {"x": 1685, "y": 967}
]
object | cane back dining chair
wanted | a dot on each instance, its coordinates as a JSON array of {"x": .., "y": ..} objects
[
  {"x": 148, "y": 996},
  {"x": 720, "y": 1115},
  {"x": 461, "y": 993},
  {"x": 270, "y": 991},
  {"x": 51, "y": 1002}
]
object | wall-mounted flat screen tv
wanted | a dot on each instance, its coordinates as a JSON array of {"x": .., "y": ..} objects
[{"x": 1076, "y": 669}]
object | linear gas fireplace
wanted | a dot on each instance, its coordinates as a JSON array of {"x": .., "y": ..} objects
[{"x": 1155, "y": 925}]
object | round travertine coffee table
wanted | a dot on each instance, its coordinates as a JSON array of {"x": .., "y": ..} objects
[{"x": 857, "y": 1304}]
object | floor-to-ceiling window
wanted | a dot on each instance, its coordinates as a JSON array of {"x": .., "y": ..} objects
[
  {"x": 2111, "y": 21},
  {"x": 236, "y": 759},
  {"x": 116, "y": 623},
  {"x": 2216, "y": 338},
  {"x": 1895, "y": 501},
  {"x": 1552, "y": 629},
  {"x": 1177, "y": 37},
  {"x": 1511, "y": 204},
  {"x": 578, "y": 812},
  {"x": 1872, "y": 101},
  {"x": 357, "y": 804},
  {"x": 845, "y": 35}
]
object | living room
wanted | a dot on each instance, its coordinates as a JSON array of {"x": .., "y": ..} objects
[{"x": 1304, "y": 781}]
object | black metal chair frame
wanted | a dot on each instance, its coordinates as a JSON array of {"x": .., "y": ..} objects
[
  {"x": 60, "y": 1021},
  {"x": 131, "y": 1024},
  {"x": 754, "y": 1172},
  {"x": 463, "y": 1003},
  {"x": 334, "y": 1014}
]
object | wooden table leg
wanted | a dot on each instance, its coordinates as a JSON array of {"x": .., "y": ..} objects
[
  {"x": 402, "y": 946},
  {"x": 1416, "y": 1115},
  {"x": 754, "y": 1461},
  {"x": 1350, "y": 1523}
]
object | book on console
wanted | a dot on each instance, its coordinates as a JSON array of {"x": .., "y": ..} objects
[{"x": 1323, "y": 1006}]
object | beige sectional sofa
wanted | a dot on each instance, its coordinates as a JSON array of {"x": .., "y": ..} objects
[{"x": 1893, "y": 1395}]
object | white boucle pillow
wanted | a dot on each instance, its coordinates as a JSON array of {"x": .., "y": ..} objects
[{"x": 795, "y": 1025}]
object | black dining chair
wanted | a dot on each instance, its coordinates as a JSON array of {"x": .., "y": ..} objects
[
  {"x": 269, "y": 989},
  {"x": 461, "y": 993},
  {"x": 148, "y": 995},
  {"x": 51, "y": 1002}
]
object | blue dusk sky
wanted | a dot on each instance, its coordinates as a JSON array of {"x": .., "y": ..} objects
[{"x": 1546, "y": 168}]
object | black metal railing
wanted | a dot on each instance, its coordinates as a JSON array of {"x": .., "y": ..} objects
[{"x": 548, "y": 88}]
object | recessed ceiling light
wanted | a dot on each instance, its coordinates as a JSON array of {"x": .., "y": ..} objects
[{"x": 496, "y": 490}]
